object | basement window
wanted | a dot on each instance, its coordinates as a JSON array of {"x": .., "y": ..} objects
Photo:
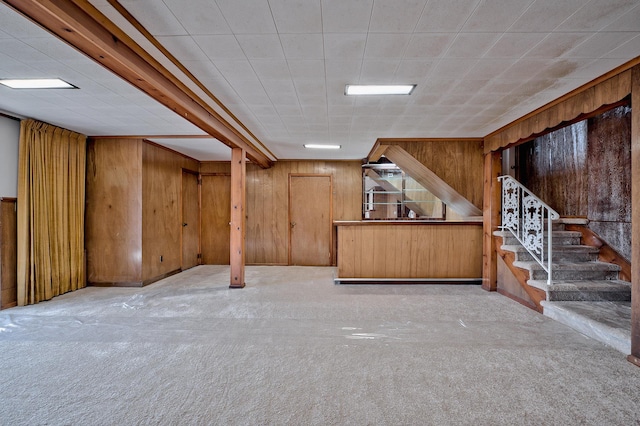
[{"x": 388, "y": 193}]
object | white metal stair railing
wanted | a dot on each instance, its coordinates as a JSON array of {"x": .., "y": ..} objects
[{"x": 524, "y": 215}]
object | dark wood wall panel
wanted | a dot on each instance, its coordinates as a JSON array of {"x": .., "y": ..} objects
[
  {"x": 458, "y": 162},
  {"x": 113, "y": 230},
  {"x": 161, "y": 209},
  {"x": 554, "y": 167},
  {"x": 609, "y": 153},
  {"x": 585, "y": 170},
  {"x": 8, "y": 250}
]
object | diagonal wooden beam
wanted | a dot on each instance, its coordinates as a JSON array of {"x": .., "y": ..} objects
[
  {"x": 82, "y": 26},
  {"x": 425, "y": 177}
]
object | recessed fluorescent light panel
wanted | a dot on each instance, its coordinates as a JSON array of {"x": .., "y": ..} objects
[
  {"x": 372, "y": 89},
  {"x": 37, "y": 83},
  {"x": 319, "y": 146}
]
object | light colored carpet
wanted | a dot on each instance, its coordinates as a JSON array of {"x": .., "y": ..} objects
[{"x": 293, "y": 348}]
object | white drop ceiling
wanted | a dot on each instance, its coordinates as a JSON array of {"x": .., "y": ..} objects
[{"x": 280, "y": 66}]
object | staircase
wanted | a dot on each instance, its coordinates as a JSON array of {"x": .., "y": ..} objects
[
  {"x": 584, "y": 293},
  {"x": 577, "y": 274}
]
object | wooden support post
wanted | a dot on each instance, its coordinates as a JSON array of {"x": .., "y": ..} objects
[
  {"x": 237, "y": 234},
  {"x": 491, "y": 217},
  {"x": 635, "y": 216}
]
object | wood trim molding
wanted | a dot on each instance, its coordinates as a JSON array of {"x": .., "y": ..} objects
[
  {"x": 601, "y": 92},
  {"x": 82, "y": 26},
  {"x": 428, "y": 179},
  {"x": 138, "y": 26}
]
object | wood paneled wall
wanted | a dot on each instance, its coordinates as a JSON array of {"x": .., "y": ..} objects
[
  {"x": 133, "y": 211},
  {"x": 113, "y": 228},
  {"x": 267, "y": 238},
  {"x": 387, "y": 250},
  {"x": 458, "y": 162},
  {"x": 161, "y": 210},
  {"x": 8, "y": 250},
  {"x": 584, "y": 170}
]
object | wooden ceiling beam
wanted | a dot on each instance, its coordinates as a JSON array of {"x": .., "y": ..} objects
[{"x": 82, "y": 26}]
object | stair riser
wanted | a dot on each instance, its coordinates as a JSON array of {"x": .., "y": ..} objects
[
  {"x": 557, "y": 241},
  {"x": 540, "y": 274},
  {"x": 582, "y": 296},
  {"x": 559, "y": 256}
]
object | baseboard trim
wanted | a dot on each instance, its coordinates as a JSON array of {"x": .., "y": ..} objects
[{"x": 133, "y": 283}]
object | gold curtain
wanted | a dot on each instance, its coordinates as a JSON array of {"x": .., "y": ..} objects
[{"x": 51, "y": 183}]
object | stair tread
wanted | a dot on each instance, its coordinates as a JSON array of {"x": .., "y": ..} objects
[
  {"x": 564, "y": 248},
  {"x": 582, "y": 285},
  {"x": 569, "y": 234},
  {"x": 576, "y": 266},
  {"x": 572, "y": 221}
]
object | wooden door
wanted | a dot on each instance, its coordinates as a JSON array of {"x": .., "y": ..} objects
[
  {"x": 190, "y": 220},
  {"x": 310, "y": 220},
  {"x": 216, "y": 214}
]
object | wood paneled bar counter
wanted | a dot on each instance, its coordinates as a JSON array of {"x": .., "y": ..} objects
[{"x": 409, "y": 251}]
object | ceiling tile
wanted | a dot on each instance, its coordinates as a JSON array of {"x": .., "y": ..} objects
[
  {"x": 184, "y": 48},
  {"x": 471, "y": 45},
  {"x": 201, "y": 17},
  {"x": 203, "y": 70},
  {"x": 453, "y": 68},
  {"x": 297, "y": 16},
  {"x": 340, "y": 16},
  {"x": 630, "y": 21},
  {"x": 378, "y": 71},
  {"x": 302, "y": 46},
  {"x": 597, "y": 14},
  {"x": 306, "y": 69},
  {"x": 396, "y": 16},
  {"x": 445, "y": 15},
  {"x": 495, "y": 15},
  {"x": 247, "y": 17},
  {"x": 425, "y": 45},
  {"x": 267, "y": 69},
  {"x": 281, "y": 92},
  {"x": 600, "y": 44},
  {"x": 557, "y": 44},
  {"x": 155, "y": 16},
  {"x": 344, "y": 71},
  {"x": 412, "y": 70},
  {"x": 489, "y": 68},
  {"x": 346, "y": 46},
  {"x": 261, "y": 46},
  {"x": 233, "y": 71},
  {"x": 385, "y": 46},
  {"x": 514, "y": 45},
  {"x": 545, "y": 15},
  {"x": 630, "y": 49},
  {"x": 220, "y": 47}
]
